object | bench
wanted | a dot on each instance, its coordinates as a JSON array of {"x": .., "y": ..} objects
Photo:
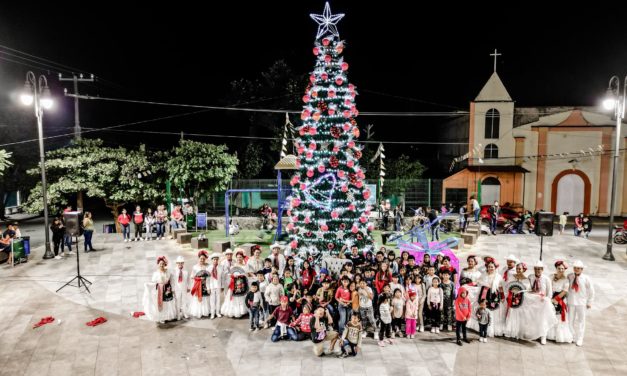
[
  {"x": 200, "y": 243},
  {"x": 177, "y": 231},
  {"x": 469, "y": 238},
  {"x": 184, "y": 238},
  {"x": 220, "y": 245}
]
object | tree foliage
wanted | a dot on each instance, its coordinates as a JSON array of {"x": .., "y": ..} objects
[
  {"x": 197, "y": 168},
  {"x": 116, "y": 175}
]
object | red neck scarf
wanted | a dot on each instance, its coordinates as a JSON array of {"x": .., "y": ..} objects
[
  {"x": 180, "y": 275},
  {"x": 576, "y": 283},
  {"x": 214, "y": 272}
]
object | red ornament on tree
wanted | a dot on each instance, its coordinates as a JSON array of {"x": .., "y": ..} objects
[
  {"x": 351, "y": 207},
  {"x": 316, "y": 51},
  {"x": 324, "y": 227},
  {"x": 306, "y": 98},
  {"x": 331, "y": 93},
  {"x": 335, "y": 132},
  {"x": 351, "y": 144},
  {"x": 331, "y": 246},
  {"x": 293, "y": 244},
  {"x": 341, "y": 174},
  {"x": 333, "y": 161},
  {"x": 346, "y": 114},
  {"x": 302, "y": 186},
  {"x": 366, "y": 194},
  {"x": 312, "y": 145},
  {"x": 325, "y": 42},
  {"x": 334, "y": 214},
  {"x": 344, "y": 66},
  {"x": 316, "y": 116},
  {"x": 339, "y": 81},
  {"x": 352, "y": 178},
  {"x": 342, "y": 226},
  {"x": 321, "y": 168},
  {"x": 310, "y": 173},
  {"x": 295, "y": 202},
  {"x": 344, "y": 188},
  {"x": 327, "y": 58},
  {"x": 354, "y": 229},
  {"x": 363, "y": 219},
  {"x": 357, "y": 154},
  {"x": 356, "y": 132},
  {"x": 313, "y": 131},
  {"x": 339, "y": 48},
  {"x": 350, "y": 164},
  {"x": 324, "y": 76},
  {"x": 346, "y": 127}
]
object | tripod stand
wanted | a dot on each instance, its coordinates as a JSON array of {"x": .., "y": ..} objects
[{"x": 78, "y": 277}]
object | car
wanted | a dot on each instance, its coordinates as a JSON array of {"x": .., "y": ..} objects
[{"x": 507, "y": 214}]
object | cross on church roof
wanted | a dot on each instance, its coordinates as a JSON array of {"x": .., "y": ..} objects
[{"x": 496, "y": 55}]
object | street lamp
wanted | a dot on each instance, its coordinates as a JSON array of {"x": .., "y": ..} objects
[
  {"x": 616, "y": 101},
  {"x": 37, "y": 92}
]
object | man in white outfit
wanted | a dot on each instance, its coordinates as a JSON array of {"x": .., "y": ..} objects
[
  {"x": 214, "y": 285},
  {"x": 509, "y": 271},
  {"x": 580, "y": 298},
  {"x": 541, "y": 285},
  {"x": 225, "y": 266},
  {"x": 181, "y": 287},
  {"x": 278, "y": 260}
]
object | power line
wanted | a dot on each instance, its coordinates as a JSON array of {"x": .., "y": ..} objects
[{"x": 266, "y": 110}]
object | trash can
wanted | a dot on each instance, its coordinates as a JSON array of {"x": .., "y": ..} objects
[
  {"x": 190, "y": 221},
  {"x": 17, "y": 246},
  {"x": 108, "y": 229},
  {"x": 26, "y": 240}
]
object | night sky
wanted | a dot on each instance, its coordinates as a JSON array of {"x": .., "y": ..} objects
[{"x": 402, "y": 57}]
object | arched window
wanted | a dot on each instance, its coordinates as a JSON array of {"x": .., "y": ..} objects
[
  {"x": 491, "y": 151},
  {"x": 492, "y": 121}
]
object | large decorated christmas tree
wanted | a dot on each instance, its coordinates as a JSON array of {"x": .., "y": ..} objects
[{"x": 329, "y": 207}]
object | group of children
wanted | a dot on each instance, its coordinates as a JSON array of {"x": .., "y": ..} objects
[{"x": 381, "y": 295}]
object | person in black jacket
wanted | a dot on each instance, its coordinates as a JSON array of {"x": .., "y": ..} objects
[{"x": 58, "y": 232}]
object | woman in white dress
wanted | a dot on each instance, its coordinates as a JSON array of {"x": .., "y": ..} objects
[
  {"x": 235, "y": 297},
  {"x": 489, "y": 289},
  {"x": 159, "y": 302},
  {"x": 560, "y": 332},
  {"x": 514, "y": 291},
  {"x": 471, "y": 274},
  {"x": 200, "y": 304}
]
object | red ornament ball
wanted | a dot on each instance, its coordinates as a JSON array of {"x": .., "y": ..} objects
[
  {"x": 354, "y": 229},
  {"x": 331, "y": 93},
  {"x": 339, "y": 81},
  {"x": 350, "y": 163},
  {"x": 324, "y": 76},
  {"x": 316, "y": 51},
  {"x": 331, "y": 246},
  {"x": 321, "y": 168},
  {"x": 327, "y": 58},
  {"x": 347, "y": 114},
  {"x": 344, "y": 66},
  {"x": 344, "y": 188},
  {"x": 325, "y": 42},
  {"x": 363, "y": 219},
  {"x": 313, "y": 131},
  {"x": 334, "y": 214},
  {"x": 342, "y": 226},
  {"x": 295, "y": 202},
  {"x": 310, "y": 173},
  {"x": 312, "y": 146},
  {"x": 293, "y": 244},
  {"x": 346, "y": 127},
  {"x": 340, "y": 174},
  {"x": 333, "y": 161}
]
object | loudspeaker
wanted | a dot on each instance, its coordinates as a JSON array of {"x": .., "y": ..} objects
[
  {"x": 72, "y": 224},
  {"x": 544, "y": 224}
]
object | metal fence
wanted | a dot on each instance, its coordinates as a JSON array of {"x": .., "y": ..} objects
[{"x": 411, "y": 194}]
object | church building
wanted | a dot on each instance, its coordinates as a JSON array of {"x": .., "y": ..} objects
[{"x": 557, "y": 159}]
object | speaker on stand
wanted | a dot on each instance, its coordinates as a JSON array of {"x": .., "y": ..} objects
[
  {"x": 544, "y": 226},
  {"x": 73, "y": 228}
]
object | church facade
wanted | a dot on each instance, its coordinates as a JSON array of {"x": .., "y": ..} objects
[{"x": 556, "y": 159}]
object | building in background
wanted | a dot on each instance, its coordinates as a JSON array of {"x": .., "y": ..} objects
[{"x": 551, "y": 158}]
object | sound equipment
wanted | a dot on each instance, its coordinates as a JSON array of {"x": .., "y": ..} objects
[
  {"x": 72, "y": 223},
  {"x": 544, "y": 224}
]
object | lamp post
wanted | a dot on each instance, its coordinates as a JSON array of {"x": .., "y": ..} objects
[
  {"x": 616, "y": 101},
  {"x": 37, "y": 93}
]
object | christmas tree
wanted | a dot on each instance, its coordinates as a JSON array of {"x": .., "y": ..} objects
[{"x": 328, "y": 208}]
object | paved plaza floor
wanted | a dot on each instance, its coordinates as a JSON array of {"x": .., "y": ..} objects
[{"x": 128, "y": 346}]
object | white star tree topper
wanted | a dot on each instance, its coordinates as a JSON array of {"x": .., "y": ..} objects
[{"x": 327, "y": 21}]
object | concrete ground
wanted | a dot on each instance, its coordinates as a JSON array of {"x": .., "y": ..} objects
[{"x": 128, "y": 346}]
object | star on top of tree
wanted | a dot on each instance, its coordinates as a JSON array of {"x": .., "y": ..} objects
[{"x": 327, "y": 21}]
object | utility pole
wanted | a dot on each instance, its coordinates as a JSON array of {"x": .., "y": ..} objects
[{"x": 77, "y": 121}]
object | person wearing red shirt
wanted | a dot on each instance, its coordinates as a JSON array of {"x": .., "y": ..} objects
[
  {"x": 383, "y": 277},
  {"x": 125, "y": 221},
  {"x": 463, "y": 310},
  {"x": 138, "y": 222},
  {"x": 343, "y": 298}
]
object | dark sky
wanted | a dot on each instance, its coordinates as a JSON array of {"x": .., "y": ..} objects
[{"x": 410, "y": 51}]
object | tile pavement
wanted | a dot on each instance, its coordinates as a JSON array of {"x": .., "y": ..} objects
[{"x": 128, "y": 346}]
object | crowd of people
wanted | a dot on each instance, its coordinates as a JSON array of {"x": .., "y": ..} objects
[{"x": 382, "y": 296}]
